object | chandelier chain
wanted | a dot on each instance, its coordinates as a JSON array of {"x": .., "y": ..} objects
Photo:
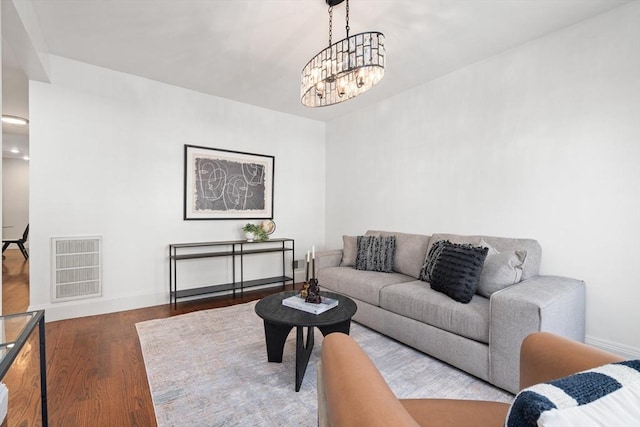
[
  {"x": 347, "y": 26},
  {"x": 330, "y": 23}
]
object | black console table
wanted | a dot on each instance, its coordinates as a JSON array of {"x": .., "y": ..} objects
[{"x": 237, "y": 250}]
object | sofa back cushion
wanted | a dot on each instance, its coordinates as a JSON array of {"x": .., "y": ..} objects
[
  {"x": 530, "y": 266},
  {"x": 411, "y": 251}
]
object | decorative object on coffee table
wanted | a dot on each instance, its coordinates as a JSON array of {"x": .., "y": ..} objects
[
  {"x": 299, "y": 303},
  {"x": 313, "y": 293},
  {"x": 310, "y": 289},
  {"x": 305, "y": 290}
]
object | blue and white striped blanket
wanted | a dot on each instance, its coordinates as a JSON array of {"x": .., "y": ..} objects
[{"x": 582, "y": 395}]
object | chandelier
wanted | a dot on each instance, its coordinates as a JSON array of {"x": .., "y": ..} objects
[{"x": 345, "y": 69}]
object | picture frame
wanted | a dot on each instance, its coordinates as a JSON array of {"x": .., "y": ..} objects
[{"x": 226, "y": 184}]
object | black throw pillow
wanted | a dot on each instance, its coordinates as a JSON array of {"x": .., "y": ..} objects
[{"x": 457, "y": 270}]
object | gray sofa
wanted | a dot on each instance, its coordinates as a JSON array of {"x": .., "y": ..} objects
[{"x": 482, "y": 337}]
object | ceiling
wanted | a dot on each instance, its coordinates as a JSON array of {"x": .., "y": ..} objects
[{"x": 252, "y": 51}]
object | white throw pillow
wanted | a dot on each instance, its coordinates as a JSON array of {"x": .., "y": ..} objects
[{"x": 500, "y": 270}]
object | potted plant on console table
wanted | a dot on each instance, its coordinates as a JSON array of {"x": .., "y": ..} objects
[{"x": 254, "y": 232}]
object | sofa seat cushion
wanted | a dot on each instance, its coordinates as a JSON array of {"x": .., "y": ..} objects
[
  {"x": 358, "y": 284},
  {"x": 416, "y": 300}
]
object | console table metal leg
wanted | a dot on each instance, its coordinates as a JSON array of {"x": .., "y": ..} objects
[
  {"x": 171, "y": 261},
  {"x": 43, "y": 373},
  {"x": 233, "y": 268},
  {"x": 284, "y": 271},
  {"x": 175, "y": 285},
  {"x": 241, "y": 270}
]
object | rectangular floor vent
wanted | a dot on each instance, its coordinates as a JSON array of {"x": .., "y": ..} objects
[{"x": 76, "y": 268}]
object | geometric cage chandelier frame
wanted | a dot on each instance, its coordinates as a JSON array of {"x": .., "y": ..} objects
[{"x": 344, "y": 69}]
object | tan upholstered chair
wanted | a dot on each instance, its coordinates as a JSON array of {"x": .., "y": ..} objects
[{"x": 352, "y": 393}]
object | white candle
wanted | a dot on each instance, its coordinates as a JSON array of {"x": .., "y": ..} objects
[{"x": 313, "y": 251}]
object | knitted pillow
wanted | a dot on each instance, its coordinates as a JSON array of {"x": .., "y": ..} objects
[
  {"x": 432, "y": 257},
  {"x": 457, "y": 270},
  {"x": 607, "y": 395},
  {"x": 375, "y": 253}
]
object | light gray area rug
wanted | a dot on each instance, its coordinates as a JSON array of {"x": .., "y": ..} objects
[{"x": 209, "y": 368}]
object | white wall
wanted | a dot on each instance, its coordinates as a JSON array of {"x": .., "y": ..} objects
[
  {"x": 542, "y": 141},
  {"x": 107, "y": 159},
  {"x": 15, "y": 197},
  {"x": 0, "y": 134}
]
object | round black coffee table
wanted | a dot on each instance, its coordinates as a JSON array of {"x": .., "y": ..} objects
[{"x": 279, "y": 320}]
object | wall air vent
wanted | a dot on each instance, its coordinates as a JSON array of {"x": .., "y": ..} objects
[{"x": 76, "y": 266}]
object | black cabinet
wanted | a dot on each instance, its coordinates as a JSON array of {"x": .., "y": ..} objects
[{"x": 240, "y": 251}]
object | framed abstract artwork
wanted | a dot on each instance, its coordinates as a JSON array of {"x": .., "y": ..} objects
[{"x": 225, "y": 184}]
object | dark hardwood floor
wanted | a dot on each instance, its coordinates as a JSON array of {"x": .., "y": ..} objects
[
  {"x": 15, "y": 282},
  {"x": 95, "y": 371}
]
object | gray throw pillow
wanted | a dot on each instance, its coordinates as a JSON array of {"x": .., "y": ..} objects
[
  {"x": 501, "y": 270},
  {"x": 375, "y": 253},
  {"x": 349, "y": 251}
]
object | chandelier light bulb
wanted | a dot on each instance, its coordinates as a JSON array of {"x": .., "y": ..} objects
[{"x": 14, "y": 120}]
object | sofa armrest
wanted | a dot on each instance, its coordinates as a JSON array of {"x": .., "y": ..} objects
[
  {"x": 542, "y": 303},
  {"x": 353, "y": 391},
  {"x": 329, "y": 258},
  {"x": 545, "y": 357}
]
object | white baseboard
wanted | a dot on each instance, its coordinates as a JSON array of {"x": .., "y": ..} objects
[
  {"x": 626, "y": 351},
  {"x": 95, "y": 306}
]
